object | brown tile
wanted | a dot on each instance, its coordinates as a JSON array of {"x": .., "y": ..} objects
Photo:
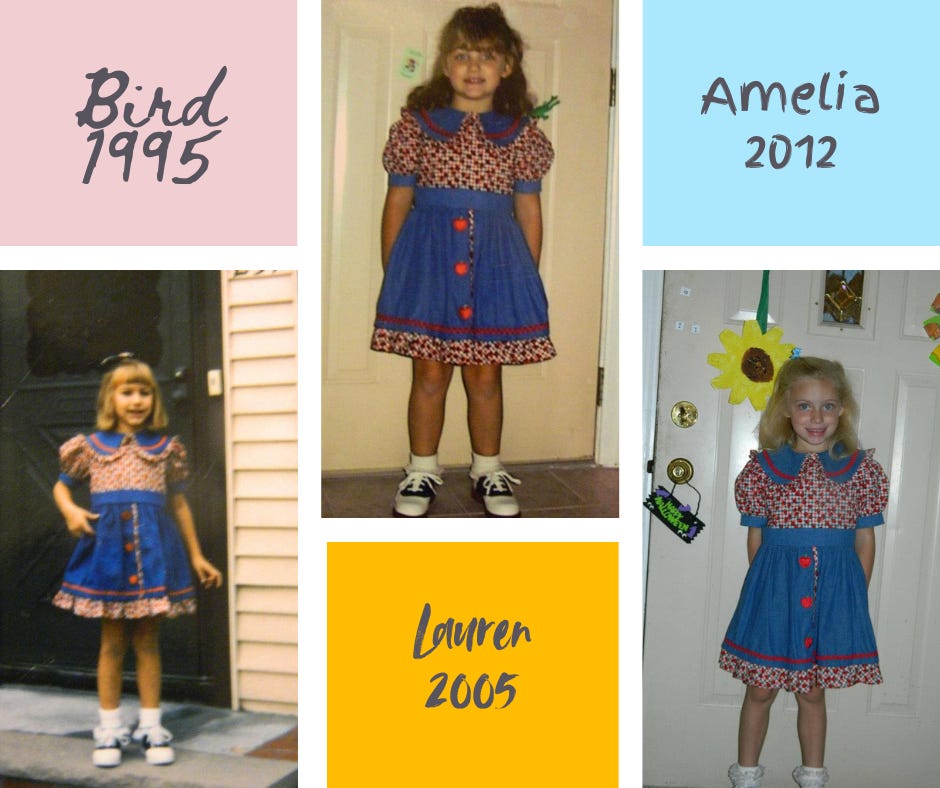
[
  {"x": 283, "y": 748},
  {"x": 594, "y": 485},
  {"x": 547, "y": 490}
]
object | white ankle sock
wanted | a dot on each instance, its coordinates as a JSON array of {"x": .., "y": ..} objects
[
  {"x": 110, "y": 718},
  {"x": 483, "y": 464},
  {"x": 427, "y": 463},
  {"x": 149, "y": 718}
]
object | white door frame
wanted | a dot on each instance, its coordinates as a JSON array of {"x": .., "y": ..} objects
[
  {"x": 652, "y": 328},
  {"x": 607, "y": 424}
]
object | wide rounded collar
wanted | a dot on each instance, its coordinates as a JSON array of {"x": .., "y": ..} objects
[
  {"x": 784, "y": 465},
  {"x": 444, "y": 123},
  {"x": 110, "y": 441}
]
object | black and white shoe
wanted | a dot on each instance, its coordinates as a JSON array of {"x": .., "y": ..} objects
[
  {"x": 108, "y": 745},
  {"x": 415, "y": 493},
  {"x": 155, "y": 742},
  {"x": 494, "y": 491}
]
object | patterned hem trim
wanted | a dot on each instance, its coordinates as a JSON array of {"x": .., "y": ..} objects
[
  {"x": 139, "y": 608},
  {"x": 464, "y": 351},
  {"x": 799, "y": 680}
]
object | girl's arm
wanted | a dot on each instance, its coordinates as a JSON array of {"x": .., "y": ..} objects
[
  {"x": 398, "y": 202},
  {"x": 865, "y": 548},
  {"x": 528, "y": 210},
  {"x": 754, "y": 538},
  {"x": 208, "y": 575},
  {"x": 76, "y": 518}
]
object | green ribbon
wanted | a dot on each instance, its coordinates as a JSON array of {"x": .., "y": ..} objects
[{"x": 762, "y": 304}]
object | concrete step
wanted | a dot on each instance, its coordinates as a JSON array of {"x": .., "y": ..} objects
[
  {"x": 66, "y": 761},
  {"x": 46, "y": 737}
]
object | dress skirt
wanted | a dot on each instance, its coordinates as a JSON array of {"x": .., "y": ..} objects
[
  {"x": 134, "y": 566},
  {"x": 461, "y": 286},
  {"x": 802, "y": 620}
]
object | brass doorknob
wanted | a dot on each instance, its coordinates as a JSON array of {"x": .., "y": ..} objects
[
  {"x": 679, "y": 470},
  {"x": 684, "y": 414}
]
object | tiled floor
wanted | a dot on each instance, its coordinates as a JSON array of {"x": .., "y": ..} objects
[{"x": 547, "y": 490}]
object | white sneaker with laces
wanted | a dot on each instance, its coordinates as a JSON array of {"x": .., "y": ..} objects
[
  {"x": 415, "y": 493},
  {"x": 108, "y": 744},
  {"x": 494, "y": 491},
  {"x": 155, "y": 743}
]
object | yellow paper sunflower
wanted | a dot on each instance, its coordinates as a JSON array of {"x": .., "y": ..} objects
[{"x": 750, "y": 364}]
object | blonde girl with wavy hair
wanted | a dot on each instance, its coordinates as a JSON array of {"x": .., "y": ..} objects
[
  {"x": 776, "y": 429},
  {"x": 810, "y": 499}
]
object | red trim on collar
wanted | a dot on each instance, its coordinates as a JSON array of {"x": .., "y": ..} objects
[
  {"x": 161, "y": 441},
  {"x": 830, "y": 474},
  {"x": 774, "y": 468},
  {"x": 433, "y": 126},
  {"x": 103, "y": 446},
  {"x": 498, "y": 135},
  {"x": 159, "y": 444}
]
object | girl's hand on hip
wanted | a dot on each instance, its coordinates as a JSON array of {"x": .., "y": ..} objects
[
  {"x": 79, "y": 521},
  {"x": 209, "y": 576}
]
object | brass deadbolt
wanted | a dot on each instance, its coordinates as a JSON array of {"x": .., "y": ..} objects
[
  {"x": 679, "y": 470},
  {"x": 684, "y": 414}
]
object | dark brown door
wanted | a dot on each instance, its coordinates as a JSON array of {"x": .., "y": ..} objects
[{"x": 55, "y": 328}]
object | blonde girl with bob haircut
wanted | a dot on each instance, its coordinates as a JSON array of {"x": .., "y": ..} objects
[
  {"x": 136, "y": 544},
  {"x": 129, "y": 371},
  {"x": 810, "y": 499}
]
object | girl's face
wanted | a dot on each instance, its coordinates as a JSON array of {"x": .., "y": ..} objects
[
  {"x": 475, "y": 73},
  {"x": 133, "y": 404},
  {"x": 814, "y": 409}
]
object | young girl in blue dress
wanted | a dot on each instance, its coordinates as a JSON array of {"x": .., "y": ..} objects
[
  {"x": 461, "y": 238},
  {"x": 810, "y": 500},
  {"x": 130, "y": 567}
]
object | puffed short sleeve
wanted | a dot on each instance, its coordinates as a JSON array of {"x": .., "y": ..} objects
[
  {"x": 403, "y": 151},
  {"x": 177, "y": 467},
  {"x": 74, "y": 461},
  {"x": 750, "y": 494},
  {"x": 871, "y": 485},
  {"x": 533, "y": 156}
]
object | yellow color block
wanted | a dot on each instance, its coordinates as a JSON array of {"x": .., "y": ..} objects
[{"x": 531, "y": 701}]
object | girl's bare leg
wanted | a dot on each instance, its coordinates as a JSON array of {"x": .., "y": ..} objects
[
  {"x": 752, "y": 727},
  {"x": 146, "y": 639},
  {"x": 484, "y": 387},
  {"x": 111, "y": 662},
  {"x": 429, "y": 383},
  {"x": 811, "y": 726}
]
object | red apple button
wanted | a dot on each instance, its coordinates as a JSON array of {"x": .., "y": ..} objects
[
  {"x": 808, "y": 642},
  {"x": 461, "y": 268},
  {"x": 465, "y": 312},
  {"x": 460, "y": 224},
  {"x": 807, "y": 601},
  {"x": 805, "y": 561}
]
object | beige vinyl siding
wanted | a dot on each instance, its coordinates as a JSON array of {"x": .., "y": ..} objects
[{"x": 260, "y": 326}]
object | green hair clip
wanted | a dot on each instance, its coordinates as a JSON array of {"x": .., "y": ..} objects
[{"x": 542, "y": 110}]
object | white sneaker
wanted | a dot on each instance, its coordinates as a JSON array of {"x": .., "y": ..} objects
[
  {"x": 155, "y": 743},
  {"x": 415, "y": 493},
  {"x": 494, "y": 491},
  {"x": 108, "y": 744}
]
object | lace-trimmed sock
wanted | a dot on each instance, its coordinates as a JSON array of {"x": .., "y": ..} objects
[
  {"x": 154, "y": 738},
  {"x": 110, "y": 735}
]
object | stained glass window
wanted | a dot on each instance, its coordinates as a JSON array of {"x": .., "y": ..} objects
[{"x": 842, "y": 300}]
